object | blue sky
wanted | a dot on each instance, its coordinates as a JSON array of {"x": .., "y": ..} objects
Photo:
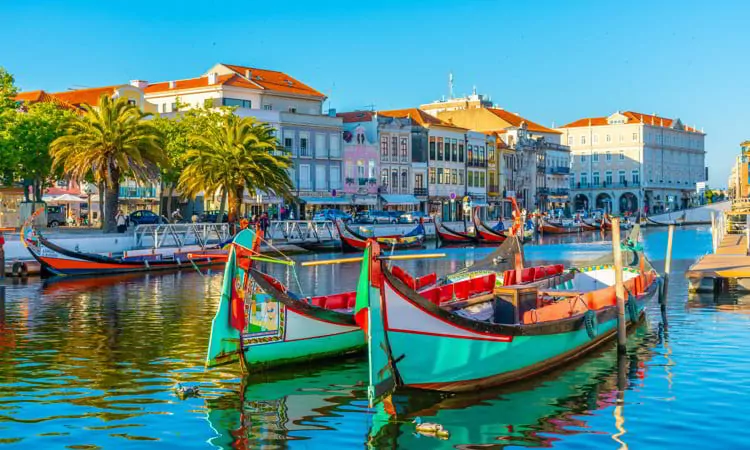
[{"x": 551, "y": 61}]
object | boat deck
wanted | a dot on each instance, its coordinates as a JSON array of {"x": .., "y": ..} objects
[{"x": 731, "y": 261}]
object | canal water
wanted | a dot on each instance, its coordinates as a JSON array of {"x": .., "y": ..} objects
[{"x": 92, "y": 364}]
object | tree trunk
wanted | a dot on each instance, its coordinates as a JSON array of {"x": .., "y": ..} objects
[
  {"x": 170, "y": 191},
  {"x": 222, "y": 205},
  {"x": 111, "y": 200},
  {"x": 102, "y": 186}
]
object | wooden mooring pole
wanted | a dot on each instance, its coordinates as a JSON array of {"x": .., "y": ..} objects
[
  {"x": 713, "y": 231},
  {"x": 619, "y": 287},
  {"x": 667, "y": 266}
]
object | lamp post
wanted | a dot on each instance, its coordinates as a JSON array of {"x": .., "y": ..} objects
[{"x": 89, "y": 191}]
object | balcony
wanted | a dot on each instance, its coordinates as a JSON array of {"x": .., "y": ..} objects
[
  {"x": 420, "y": 191},
  {"x": 559, "y": 192},
  {"x": 560, "y": 170},
  {"x": 137, "y": 192},
  {"x": 608, "y": 185}
]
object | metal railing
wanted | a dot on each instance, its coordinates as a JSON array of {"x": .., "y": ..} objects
[
  {"x": 302, "y": 230},
  {"x": 180, "y": 234}
]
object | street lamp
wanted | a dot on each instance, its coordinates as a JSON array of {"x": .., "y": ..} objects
[{"x": 89, "y": 191}]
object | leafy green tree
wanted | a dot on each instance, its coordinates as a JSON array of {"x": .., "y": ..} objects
[
  {"x": 239, "y": 154},
  {"x": 8, "y": 90},
  {"x": 110, "y": 142}
]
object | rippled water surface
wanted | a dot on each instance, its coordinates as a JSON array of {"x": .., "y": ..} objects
[{"x": 92, "y": 363}]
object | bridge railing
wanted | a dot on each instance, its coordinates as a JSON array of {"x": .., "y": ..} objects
[
  {"x": 302, "y": 230},
  {"x": 180, "y": 234}
]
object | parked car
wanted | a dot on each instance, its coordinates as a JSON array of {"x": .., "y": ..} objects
[
  {"x": 55, "y": 216},
  {"x": 145, "y": 217},
  {"x": 382, "y": 217},
  {"x": 363, "y": 217},
  {"x": 414, "y": 216},
  {"x": 332, "y": 214},
  {"x": 211, "y": 216}
]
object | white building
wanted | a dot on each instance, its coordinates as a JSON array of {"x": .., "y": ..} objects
[
  {"x": 631, "y": 161},
  {"x": 292, "y": 107}
]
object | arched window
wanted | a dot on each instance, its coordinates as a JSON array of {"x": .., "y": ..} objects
[{"x": 404, "y": 180}]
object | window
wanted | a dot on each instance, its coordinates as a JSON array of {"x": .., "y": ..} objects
[
  {"x": 454, "y": 150},
  {"x": 584, "y": 179},
  {"x": 621, "y": 177},
  {"x": 454, "y": 176},
  {"x": 268, "y": 107},
  {"x": 394, "y": 179},
  {"x": 595, "y": 157},
  {"x": 404, "y": 149},
  {"x": 439, "y": 149},
  {"x": 431, "y": 176},
  {"x": 384, "y": 177},
  {"x": 384, "y": 148},
  {"x": 174, "y": 107},
  {"x": 570, "y": 140},
  {"x": 470, "y": 177},
  {"x": 320, "y": 177},
  {"x": 481, "y": 179},
  {"x": 622, "y": 155},
  {"x": 292, "y": 109},
  {"x": 404, "y": 180},
  {"x": 440, "y": 175},
  {"x": 609, "y": 156},
  {"x": 622, "y": 138},
  {"x": 304, "y": 176},
  {"x": 288, "y": 143},
  {"x": 418, "y": 181},
  {"x": 596, "y": 139},
  {"x": 595, "y": 179},
  {"x": 461, "y": 152},
  {"x": 335, "y": 177},
  {"x": 608, "y": 178},
  {"x": 394, "y": 148},
  {"x": 335, "y": 147},
  {"x": 482, "y": 158},
  {"x": 432, "y": 148},
  {"x": 236, "y": 102},
  {"x": 460, "y": 177},
  {"x": 320, "y": 145},
  {"x": 583, "y": 140},
  {"x": 304, "y": 148},
  {"x": 608, "y": 138},
  {"x": 371, "y": 169},
  {"x": 635, "y": 137}
]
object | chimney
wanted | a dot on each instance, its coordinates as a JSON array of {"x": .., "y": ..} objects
[
  {"x": 248, "y": 73},
  {"x": 172, "y": 84},
  {"x": 140, "y": 84},
  {"x": 212, "y": 77}
]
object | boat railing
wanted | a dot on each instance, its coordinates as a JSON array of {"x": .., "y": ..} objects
[
  {"x": 302, "y": 230},
  {"x": 181, "y": 235}
]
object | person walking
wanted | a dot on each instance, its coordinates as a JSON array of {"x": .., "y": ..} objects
[
  {"x": 121, "y": 222},
  {"x": 176, "y": 216}
]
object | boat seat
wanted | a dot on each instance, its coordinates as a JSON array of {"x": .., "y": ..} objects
[
  {"x": 527, "y": 275},
  {"x": 342, "y": 301},
  {"x": 402, "y": 275},
  {"x": 426, "y": 280},
  {"x": 540, "y": 273}
]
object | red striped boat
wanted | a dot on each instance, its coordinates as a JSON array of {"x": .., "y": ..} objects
[{"x": 351, "y": 241}]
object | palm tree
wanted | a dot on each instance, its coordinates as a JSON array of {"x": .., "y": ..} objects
[
  {"x": 109, "y": 143},
  {"x": 236, "y": 154}
]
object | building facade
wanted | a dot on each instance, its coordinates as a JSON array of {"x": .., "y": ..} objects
[
  {"x": 629, "y": 162},
  {"x": 361, "y": 159},
  {"x": 295, "y": 110}
]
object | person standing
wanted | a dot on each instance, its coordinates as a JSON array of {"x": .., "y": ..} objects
[{"x": 121, "y": 222}]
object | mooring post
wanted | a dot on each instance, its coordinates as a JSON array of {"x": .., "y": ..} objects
[
  {"x": 713, "y": 231},
  {"x": 667, "y": 266},
  {"x": 619, "y": 286}
]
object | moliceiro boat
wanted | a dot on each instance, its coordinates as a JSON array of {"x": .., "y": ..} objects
[
  {"x": 261, "y": 323},
  {"x": 351, "y": 241},
  {"x": 563, "y": 228},
  {"x": 488, "y": 340},
  {"x": 57, "y": 260}
]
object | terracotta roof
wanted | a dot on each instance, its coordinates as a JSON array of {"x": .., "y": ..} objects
[
  {"x": 633, "y": 117},
  {"x": 418, "y": 116},
  {"x": 41, "y": 96},
  {"x": 356, "y": 116},
  {"x": 516, "y": 121},
  {"x": 190, "y": 83},
  {"x": 274, "y": 80},
  {"x": 89, "y": 96}
]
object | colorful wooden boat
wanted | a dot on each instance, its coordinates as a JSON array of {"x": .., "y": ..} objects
[
  {"x": 448, "y": 236},
  {"x": 57, "y": 260},
  {"x": 561, "y": 228},
  {"x": 262, "y": 324},
  {"x": 351, "y": 241},
  {"x": 484, "y": 232},
  {"x": 490, "y": 338}
]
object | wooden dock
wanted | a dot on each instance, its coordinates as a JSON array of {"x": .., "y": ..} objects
[{"x": 730, "y": 260}]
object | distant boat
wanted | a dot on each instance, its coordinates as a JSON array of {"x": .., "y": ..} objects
[
  {"x": 546, "y": 226},
  {"x": 516, "y": 332},
  {"x": 351, "y": 241}
]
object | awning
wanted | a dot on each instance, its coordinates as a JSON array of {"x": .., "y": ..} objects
[
  {"x": 325, "y": 200},
  {"x": 369, "y": 200},
  {"x": 399, "y": 199}
]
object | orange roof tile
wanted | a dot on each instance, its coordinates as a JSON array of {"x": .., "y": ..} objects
[
  {"x": 516, "y": 121},
  {"x": 356, "y": 116},
  {"x": 419, "y": 116},
  {"x": 41, "y": 96},
  {"x": 190, "y": 83},
  {"x": 274, "y": 80},
  {"x": 85, "y": 96},
  {"x": 633, "y": 117}
]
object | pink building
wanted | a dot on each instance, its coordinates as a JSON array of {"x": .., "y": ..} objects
[{"x": 361, "y": 158}]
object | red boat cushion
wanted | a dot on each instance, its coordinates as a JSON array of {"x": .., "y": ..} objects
[
  {"x": 527, "y": 276},
  {"x": 426, "y": 280},
  {"x": 402, "y": 275},
  {"x": 540, "y": 273},
  {"x": 344, "y": 300}
]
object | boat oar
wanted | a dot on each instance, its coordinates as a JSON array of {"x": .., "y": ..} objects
[
  {"x": 272, "y": 260},
  {"x": 382, "y": 258}
]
